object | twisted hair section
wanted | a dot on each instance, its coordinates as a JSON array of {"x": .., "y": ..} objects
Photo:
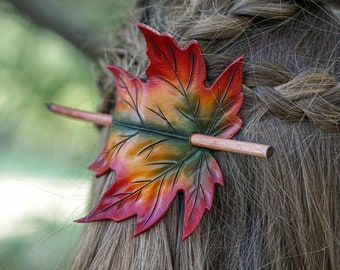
[
  {"x": 280, "y": 213},
  {"x": 314, "y": 97}
]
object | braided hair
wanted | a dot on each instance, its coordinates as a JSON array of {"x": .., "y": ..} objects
[{"x": 280, "y": 213}]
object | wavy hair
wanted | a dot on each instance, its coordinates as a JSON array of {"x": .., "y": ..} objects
[{"x": 280, "y": 213}]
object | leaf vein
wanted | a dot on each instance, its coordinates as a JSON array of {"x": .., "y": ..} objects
[
  {"x": 162, "y": 116},
  {"x": 199, "y": 180},
  {"x": 135, "y": 102}
]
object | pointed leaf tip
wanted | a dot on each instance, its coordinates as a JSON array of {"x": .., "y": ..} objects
[{"x": 148, "y": 147}]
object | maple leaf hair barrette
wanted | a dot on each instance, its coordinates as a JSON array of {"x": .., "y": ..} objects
[{"x": 162, "y": 131}]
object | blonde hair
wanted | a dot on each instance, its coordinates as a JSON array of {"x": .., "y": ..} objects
[{"x": 280, "y": 213}]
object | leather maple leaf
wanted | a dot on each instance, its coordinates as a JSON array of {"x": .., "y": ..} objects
[{"x": 149, "y": 148}]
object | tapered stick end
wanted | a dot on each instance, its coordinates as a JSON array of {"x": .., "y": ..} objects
[
  {"x": 48, "y": 106},
  {"x": 97, "y": 118}
]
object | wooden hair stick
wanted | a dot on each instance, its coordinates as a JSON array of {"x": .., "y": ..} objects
[{"x": 229, "y": 145}]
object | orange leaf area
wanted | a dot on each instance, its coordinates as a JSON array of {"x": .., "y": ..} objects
[{"x": 149, "y": 148}]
